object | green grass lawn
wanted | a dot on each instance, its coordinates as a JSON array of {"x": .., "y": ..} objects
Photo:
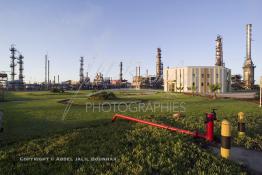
[{"x": 34, "y": 127}]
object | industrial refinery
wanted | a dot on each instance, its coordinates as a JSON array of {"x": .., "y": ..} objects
[
  {"x": 173, "y": 79},
  {"x": 131, "y": 87}
]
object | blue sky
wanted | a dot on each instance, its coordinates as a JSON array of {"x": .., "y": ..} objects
[{"x": 106, "y": 32}]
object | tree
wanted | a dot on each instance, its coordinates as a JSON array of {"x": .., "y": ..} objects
[
  {"x": 193, "y": 89},
  {"x": 214, "y": 88},
  {"x": 180, "y": 88}
]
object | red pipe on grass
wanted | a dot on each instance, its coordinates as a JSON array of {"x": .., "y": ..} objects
[{"x": 208, "y": 136}]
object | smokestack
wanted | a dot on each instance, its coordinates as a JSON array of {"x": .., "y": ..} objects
[
  {"x": 136, "y": 71},
  {"x": 249, "y": 67},
  {"x": 58, "y": 79},
  {"x": 248, "y": 40},
  {"x": 48, "y": 69},
  {"x": 45, "y": 69},
  {"x": 54, "y": 79},
  {"x": 139, "y": 71},
  {"x": 219, "y": 51},
  {"x": 121, "y": 74},
  {"x": 147, "y": 72},
  {"x": 81, "y": 69}
]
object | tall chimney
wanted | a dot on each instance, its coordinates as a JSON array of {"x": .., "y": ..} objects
[
  {"x": 219, "y": 51},
  {"x": 249, "y": 67},
  {"x": 58, "y": 79},
  {"x": 248, "y": 40},
  {"x": 121, "y": 72},
  {"x": 46, "y": 69}
]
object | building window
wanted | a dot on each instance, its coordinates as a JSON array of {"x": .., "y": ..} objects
[
  {"x": 207, "y": 83},
  {"x": 202, "y": 84},
  {"x": 193, "y": 84},
  {"x": 217, "y": 75},
  {"x": 208, "y": 75},
  {"x": 194, "y": 75},
  {"x": 202, "y": 75}
]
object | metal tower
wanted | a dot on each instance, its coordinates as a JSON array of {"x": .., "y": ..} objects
[
  {"x": 81, "y": 70},
  {"x": 21, "y": 69},
  {"x": 12, "y": 65},
  {"x": 219, "y": 51},
  {"x": 159, "y": 64}
]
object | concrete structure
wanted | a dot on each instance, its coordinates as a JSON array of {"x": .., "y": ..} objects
[
  {"x": 197, "y": 78},
  {"x": 248, "y": 68}
]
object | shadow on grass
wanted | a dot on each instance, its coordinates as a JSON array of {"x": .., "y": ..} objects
[{"x": 93, "y": 139}]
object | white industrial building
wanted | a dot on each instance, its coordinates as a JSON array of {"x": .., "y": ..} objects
[{"x": 182, "y": 79}]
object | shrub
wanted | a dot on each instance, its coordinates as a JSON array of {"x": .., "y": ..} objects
[{"x": 102, "y": 95}]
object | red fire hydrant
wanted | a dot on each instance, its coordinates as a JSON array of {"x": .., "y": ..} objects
[{"x": 210, "y": 117}]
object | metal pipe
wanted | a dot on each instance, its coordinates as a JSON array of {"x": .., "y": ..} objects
[{"x": 194, "y": 134}]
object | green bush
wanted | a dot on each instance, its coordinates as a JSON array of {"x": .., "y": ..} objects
[
  {"x": 102, "y": 95},
  {"x": 57, "y": 90}
]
